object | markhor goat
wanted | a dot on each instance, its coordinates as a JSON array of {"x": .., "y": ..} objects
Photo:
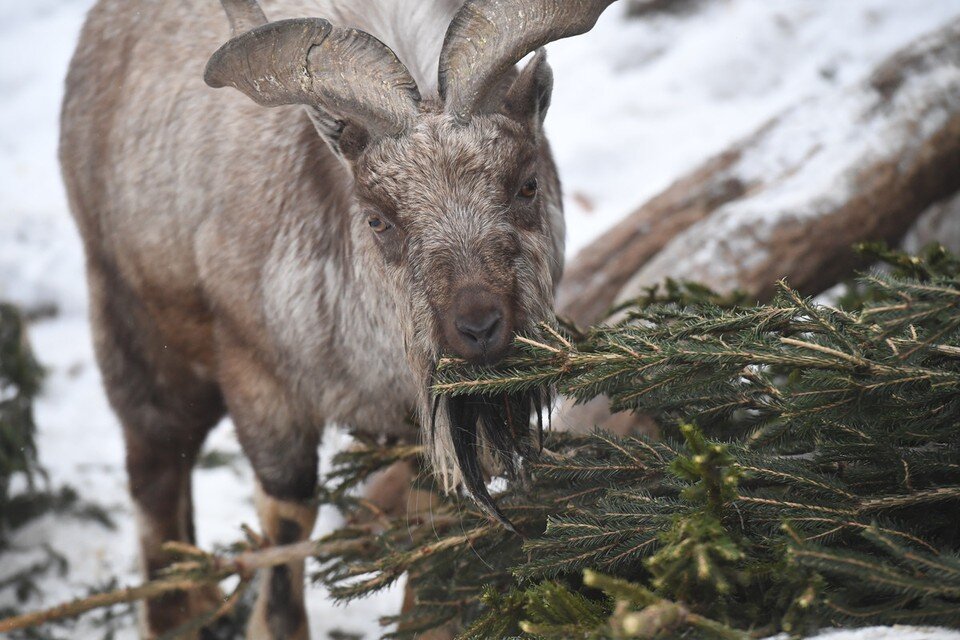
[{"x": 310, "y": 263}]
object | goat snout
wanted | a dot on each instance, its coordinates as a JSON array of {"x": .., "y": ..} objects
[{"x": 478, "y": 326}]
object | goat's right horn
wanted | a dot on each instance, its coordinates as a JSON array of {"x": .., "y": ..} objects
[
  {"x": 346, "y": 72},
  {"x": 487, "y": 37}
]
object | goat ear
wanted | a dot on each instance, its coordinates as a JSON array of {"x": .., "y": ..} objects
[
  {"x": 345, "y": 139},
  {"x": 528, "y": 98}
]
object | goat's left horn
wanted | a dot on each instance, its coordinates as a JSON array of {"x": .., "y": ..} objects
[
  {"x": 487, "y": 37},
  {"x": 345, "y": 72}
]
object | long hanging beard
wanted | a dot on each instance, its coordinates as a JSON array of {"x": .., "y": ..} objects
[{"x": 493, "y": 428}]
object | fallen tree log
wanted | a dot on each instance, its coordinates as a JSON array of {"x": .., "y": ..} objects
[{"x": 788, "y": 201}]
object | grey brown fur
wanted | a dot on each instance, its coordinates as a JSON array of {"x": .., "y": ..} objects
[{"x": 231, "y": 259}]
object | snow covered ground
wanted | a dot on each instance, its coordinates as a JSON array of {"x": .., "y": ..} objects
[{"x": 636, "y": 104}]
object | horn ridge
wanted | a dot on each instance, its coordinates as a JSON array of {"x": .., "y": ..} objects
[
  {"x": 243, "y": 62},
  {"x": 393, "y": 87},
  {"x": 487, "y": 37},
  {"x": 346, "y": 72}
]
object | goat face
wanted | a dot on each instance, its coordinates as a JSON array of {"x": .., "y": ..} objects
[{"x": 463, "y": 216}]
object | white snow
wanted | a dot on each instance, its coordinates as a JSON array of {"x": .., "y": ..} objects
[
  {"x": 889, "y": 633},
  {"x": 635, "y": 105}
]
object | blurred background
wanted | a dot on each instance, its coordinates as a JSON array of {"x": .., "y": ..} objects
[{"x": 731, "y": 142}]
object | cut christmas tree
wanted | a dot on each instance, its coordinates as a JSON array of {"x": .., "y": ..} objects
[{"x": 808, "y": 475}]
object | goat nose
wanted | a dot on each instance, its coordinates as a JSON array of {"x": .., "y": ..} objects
[{"x": 480, "y": 326}]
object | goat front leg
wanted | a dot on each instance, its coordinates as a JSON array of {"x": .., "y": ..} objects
[
  {"x": 282, "y": 449},
  {"x": 279, "y": 612}
]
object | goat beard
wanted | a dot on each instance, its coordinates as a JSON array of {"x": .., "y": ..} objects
[{"x": 498, "y": 429}]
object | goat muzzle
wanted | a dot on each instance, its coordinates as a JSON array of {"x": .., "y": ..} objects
[{"x": 478, "y": 327}]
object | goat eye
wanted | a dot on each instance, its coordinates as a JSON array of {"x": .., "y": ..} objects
[
  {"x": 529, "y": 189},
  {"x": 379, "y": 224}
]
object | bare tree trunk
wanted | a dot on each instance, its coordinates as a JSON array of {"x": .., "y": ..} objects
[{"x": 861, "y": 163}]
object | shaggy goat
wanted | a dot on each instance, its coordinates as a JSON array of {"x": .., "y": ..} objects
[{"x": 310, "y": 263}]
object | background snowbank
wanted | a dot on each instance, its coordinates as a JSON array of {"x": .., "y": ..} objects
[{"x": 636, "y": 104}]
